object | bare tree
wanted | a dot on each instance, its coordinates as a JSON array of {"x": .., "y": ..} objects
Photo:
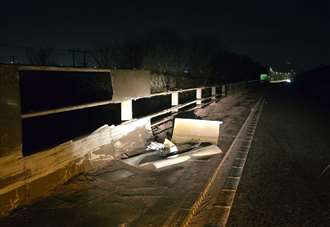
[
  {"x": 40, "y": 56},
  {"x": 110, "y": 55},
  {"x": 103, "y": 57}
]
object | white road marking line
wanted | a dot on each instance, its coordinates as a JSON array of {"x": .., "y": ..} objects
[{"x": 203, "y": 194}]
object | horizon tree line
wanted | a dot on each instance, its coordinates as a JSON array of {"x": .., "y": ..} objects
[{"x": 162, "y": 52}]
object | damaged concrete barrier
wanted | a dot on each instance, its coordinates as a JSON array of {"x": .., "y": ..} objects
[{"x": 27, "y": 179}]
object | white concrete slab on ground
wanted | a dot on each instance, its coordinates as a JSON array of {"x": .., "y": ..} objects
[
  {"x": 177, "y": 159},
  {"x": 195, "y": 130}
]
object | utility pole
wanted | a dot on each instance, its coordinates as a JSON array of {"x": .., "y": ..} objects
[
  {"x": 85, "y": 58},
  {"x": 73, "y": 52},
  {"x": 13, "y": 60}
]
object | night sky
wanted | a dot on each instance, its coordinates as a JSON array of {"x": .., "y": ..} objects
[{"x": 272, "y": 32}]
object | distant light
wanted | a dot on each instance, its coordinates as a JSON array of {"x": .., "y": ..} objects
[
  {"x": 281, "y": 81},
  {"x": 263, "y": 77}
]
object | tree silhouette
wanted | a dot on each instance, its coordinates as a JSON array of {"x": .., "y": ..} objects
[{"x": 40, "y": 56}]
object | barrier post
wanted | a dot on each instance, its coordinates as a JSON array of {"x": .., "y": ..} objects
[
  {"x": 175, "y": 100},
  {"x": 199, "y": 96},
  {"x": 214, "y": 92},
  {"x": 126, "y": 110},
  {"x": 223, "y": 90}
]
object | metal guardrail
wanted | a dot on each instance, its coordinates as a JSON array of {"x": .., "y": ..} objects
[
  {"x": 126, "y": 105},
  {"x": 107, "y": 102},
  {"x": 66, "y": 109},
  {"x": 160, "y": 119},
  {"x": 127, "y": 110}
]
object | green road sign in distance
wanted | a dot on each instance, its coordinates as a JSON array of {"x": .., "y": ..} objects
[{"x": 263, "y": 77}]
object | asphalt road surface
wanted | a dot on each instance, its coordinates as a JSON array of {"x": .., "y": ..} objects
[{"x": 285, "y": 180}]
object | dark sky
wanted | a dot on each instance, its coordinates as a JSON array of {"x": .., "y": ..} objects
[{"x": 270, "y": 31}]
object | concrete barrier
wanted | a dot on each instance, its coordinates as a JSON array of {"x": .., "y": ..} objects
[{"x": 26, "y": 178}]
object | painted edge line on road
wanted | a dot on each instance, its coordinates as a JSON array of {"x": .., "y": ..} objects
[
  {"x": 258, "y": 114},
  {"x": 201, "y": 197}
]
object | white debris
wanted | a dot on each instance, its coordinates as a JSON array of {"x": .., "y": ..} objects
[
  {"x": 171, "y": 146},
  {"x": 180, "y": 158},
  {"x": 167, "y": 162},
  {"x": 155, "y": 146},
  {"x": 195, "y": 131},
  {"x": 165, "y": 149}
]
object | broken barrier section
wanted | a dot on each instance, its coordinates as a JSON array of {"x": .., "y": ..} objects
[
  {"x": 192, "y": 138},
  {"x": 195, "y": 131}
]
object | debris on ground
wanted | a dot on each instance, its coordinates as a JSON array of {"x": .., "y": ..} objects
[
  {"x": 170, "y": 147},
  {"x": 195, "y": 153},
  {"x": 189, "y": 135},
  {"x": 155, "y": 146},
  {"x": 195, "y": 130}
]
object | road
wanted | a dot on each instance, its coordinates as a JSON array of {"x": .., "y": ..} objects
[{"x": 285, "y": 181}]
